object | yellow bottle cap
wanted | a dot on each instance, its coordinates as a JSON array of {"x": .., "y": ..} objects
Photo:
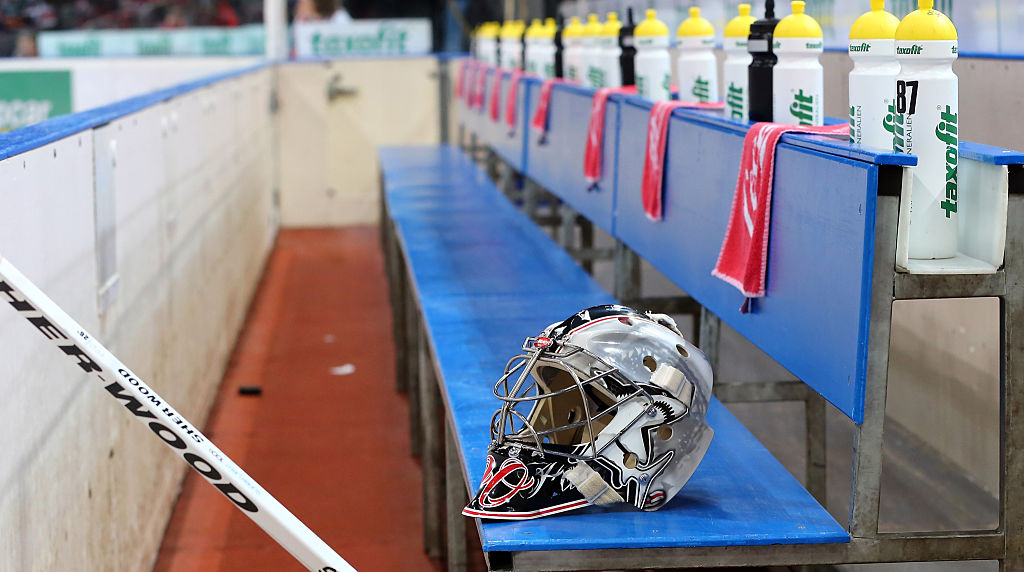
[
  {"x": 695, "y": 25},
  {"x": 593, "y": 27},
  {"x": 798, "y": 24},
  {"x": 612, "y": 25},
  {"x": 487, "y": 30},
  {"x": 651, "y": 26},
  {"x": 876, "y": 24},
  {"x": 549, "y": 30},
  {"x": 739, "y": 27},
  {"x": 574, "y": 29},
  {"x": 925, "y": 24},
  {"x": 535, "y": 29}
]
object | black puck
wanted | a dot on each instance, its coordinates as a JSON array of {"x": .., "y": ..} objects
[{"x": 250, "y": 390}]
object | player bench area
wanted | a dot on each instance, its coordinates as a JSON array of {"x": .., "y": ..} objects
[{"x": 472, "y": 277}]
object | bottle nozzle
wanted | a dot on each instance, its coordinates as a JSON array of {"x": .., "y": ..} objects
[
  {"x": 744, "y": 10},
  {"x": 798, "y": 6},
  {"x": 769, "y": 9},
  {"x": 877, "y": 5},
  {"x": 925, "y": 4},
  {"x": 694, "y": 12}
]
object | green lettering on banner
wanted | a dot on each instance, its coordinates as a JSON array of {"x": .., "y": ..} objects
[{"x": 28, "y": 97}]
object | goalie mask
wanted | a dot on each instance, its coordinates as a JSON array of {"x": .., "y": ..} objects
[{"x": 607, "y": 406}]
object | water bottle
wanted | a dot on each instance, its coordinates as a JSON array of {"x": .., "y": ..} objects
[
  {"x": 627, "y": 43},
  {"x": 872, "y": 81},
  {"x": 610, "y": 52},
  {"x": 762, "y": 64},
  {"x": 572, "y": 50},
  {"x": 798, "y": 80},
  {"x": 927, "y": 98},
  {"x": 511, "y": 44},
  {"x": 487, "y": 43},
  {"x": 531, "y": 41},
  {"x": 652, "y": 62},
  {"x": 737, "y": 60},
  {"x": 591, "y": 52},
  {"x": 545, "y": 50},
  {"x": 697, "y": 68}
]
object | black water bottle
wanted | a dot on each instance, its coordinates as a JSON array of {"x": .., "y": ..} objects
[
  {"x": 628, "y": 46},
  {"x": 759, "y": 74},
  {"x": 558, "y": 48}
]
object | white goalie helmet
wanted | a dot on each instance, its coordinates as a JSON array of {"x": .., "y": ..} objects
[{"x": 606, "y": 406}]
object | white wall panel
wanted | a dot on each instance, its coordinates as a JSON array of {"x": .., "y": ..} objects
[{"x": 85, "y": 486}]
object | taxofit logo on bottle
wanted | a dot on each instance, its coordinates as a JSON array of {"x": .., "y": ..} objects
[
  {"x": 945, "y": 132},
  {"x": 863, "y": 47},
  {"x": 734, "y": 99},
  {"x": 802, "y": 107},
  {"x": 914, "y": 50},
  {"x": 700, "y": 90}
]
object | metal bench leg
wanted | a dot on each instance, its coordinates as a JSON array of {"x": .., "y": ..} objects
[
  {"x": 586, "y": 242},
  {"x": 432, "y": 459},
  {"x": 399, "y": 309},
  {"x": 627, "y": 273},
  {"x": 1012, "y": 385},
  {"x": 531, "y": 196},
  {"x": 456, "y": 499},
  {"x": 817, "y": 451},
  {"x": 412, "y": 374},
  {"x": 567, "y": 229},
  {"x": 709, "y": 336}
]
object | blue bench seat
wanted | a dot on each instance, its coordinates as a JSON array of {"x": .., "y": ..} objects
[{"x": 485, "y": 278}]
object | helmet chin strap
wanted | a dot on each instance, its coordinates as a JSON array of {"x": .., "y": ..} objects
[{"x": 590, "y": 484}]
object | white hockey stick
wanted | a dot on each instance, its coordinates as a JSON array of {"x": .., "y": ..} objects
[{"x": 173, "y": 429}]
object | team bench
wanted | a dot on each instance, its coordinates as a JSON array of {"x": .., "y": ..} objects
[{"x": 479, "y": 277}]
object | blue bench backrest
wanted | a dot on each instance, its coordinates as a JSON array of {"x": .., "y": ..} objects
[{"x": 557, "y": 164}]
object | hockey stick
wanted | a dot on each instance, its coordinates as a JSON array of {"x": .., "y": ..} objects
[{"x": 173, "y": 429}]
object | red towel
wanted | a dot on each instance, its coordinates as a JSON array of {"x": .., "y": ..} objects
[
  {"x": 743, "y": 261},
  {"x": 652, "y": 186},
  {"x": 593, "y": 152},
  {"x": 460, "y": 77},
  {"x": 495, "y": 105},
  {"x": 512, "y": 100},
  {"x": 476, "y": 95},
  {"x": 540, "y": 117}
]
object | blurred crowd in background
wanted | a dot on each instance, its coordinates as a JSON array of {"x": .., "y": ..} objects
[{"x": 21, "y": 20}]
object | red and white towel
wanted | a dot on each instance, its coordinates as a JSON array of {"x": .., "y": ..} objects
[
  {"x": 593, "y": 152},
  {"x": 512, "y": 100},
  {"x": 540, "y": 117},
  {"x": 495, "y": 104},
  {"x": 461, "y": 76},
  {"x": 477, "y": 87},
  {"x": 652, "y": 186},
  {"x": 743, "y": 260}
]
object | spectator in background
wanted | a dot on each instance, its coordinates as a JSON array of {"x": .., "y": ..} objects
[
  {"x": 175, "y": 18},
  {"x": 226, "y": 15},
  {"x": 25, "y": 47},
  {"x": 321, "y": 11}
]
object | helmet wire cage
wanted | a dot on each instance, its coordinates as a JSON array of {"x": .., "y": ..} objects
[{"x": 601, "y": 390}]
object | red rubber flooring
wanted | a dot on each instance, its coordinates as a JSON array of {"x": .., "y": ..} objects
[{"x": 332, "y": 448}]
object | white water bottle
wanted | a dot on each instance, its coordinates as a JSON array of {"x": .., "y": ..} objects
[
  {"x": 487, "y": 43},
  {"x": 609, "y": 52},
  {"x": 927, "y": 98},
  {"x": 512, "y": 45},
  {"x": 652, "y": 62},
  {"x": 798, "y": 80},
  {"x": 696, "y": 68},
  {"x": 530, "y": 44},
  {"x": 544, "y": 50},
  {"x": 737, "y": 59},
  {"x": 591, "y": 52},
  {"x": 873, "y": 51},
  {"x": 572, "y": 50}
]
